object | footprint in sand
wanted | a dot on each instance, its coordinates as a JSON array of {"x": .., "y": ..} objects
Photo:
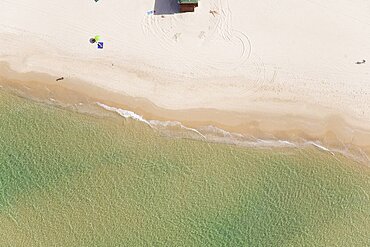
[
  {"x": 176, "y": 36},
  {"x": 202, "y": 35}
]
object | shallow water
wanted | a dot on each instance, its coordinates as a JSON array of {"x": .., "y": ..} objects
[{"x": 71, "y": 179}]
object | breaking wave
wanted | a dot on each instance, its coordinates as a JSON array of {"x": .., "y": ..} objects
[
  {"x": 214, "y": 134},
  {"x": 124, "y": 113}
]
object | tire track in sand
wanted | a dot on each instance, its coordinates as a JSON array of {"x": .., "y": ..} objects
[{"x": 218, "y": 28}]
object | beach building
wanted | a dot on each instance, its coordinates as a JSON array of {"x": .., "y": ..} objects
[{"x": 187, "y": 5}]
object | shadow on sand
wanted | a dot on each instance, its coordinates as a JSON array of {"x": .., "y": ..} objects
[{"x": 166, "y": 7}]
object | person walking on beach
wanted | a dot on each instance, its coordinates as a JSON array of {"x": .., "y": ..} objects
[{"x": 363, "y": 61}]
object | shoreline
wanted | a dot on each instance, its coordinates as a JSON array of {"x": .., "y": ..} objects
[{"x": 333, "y": 131}]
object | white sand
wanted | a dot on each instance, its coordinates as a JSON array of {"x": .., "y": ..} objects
[{"x": 290, "y": 56}]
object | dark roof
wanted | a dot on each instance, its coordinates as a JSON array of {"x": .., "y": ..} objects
[{"x": 188, "y": 1}]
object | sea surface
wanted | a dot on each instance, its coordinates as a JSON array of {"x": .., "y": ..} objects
[{"x": 74, "y": 179}]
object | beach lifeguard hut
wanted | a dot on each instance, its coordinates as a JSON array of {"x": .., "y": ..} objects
[{"x": 187, "y": 5}]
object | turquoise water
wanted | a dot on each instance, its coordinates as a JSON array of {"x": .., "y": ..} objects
[{"x": 69, "y": 179}]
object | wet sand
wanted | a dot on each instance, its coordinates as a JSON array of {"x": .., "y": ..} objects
[{"x": 334, "y": 131}]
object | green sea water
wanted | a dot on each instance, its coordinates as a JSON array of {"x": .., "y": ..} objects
[{"x": 71, "y": 179}]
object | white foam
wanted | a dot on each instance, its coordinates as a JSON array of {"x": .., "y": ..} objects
[
  {"x": 124, "y": 113},
  {"x": 320, "y": 146},
  {"x": 215, "y": 134},
  {"x": 151, "y": 123},
  {"x": 286, "y": 143},
  {"x": 224, "y": 133},
  {"x": 210, "y": 132},
  {"x": 174, "y": 124},
  {"x": 274, "y": 143}
]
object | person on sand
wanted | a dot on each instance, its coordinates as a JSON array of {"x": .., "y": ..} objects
[
  {"x": 213, "y": 12},
  {"x": 363, "y": 61}
]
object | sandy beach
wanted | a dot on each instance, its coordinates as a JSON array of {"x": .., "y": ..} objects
[{"x": 286, "y": 70}]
